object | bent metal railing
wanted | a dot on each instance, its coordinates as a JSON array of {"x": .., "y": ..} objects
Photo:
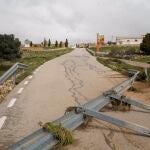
[
  {"x": 41, "y": 140},
  {"x": 12, "y": 72}
]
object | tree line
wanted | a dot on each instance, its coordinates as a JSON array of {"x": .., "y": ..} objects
[
  {"x": 48, "y": 43},
  {"x": 10, "y": 46}
]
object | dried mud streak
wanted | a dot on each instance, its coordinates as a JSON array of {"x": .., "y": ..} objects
[
  {"x": 70, "y": 74},
  {"x": 72, "y": 71},
  {"x": 96, "y": 69},
  {"x": 108, "y": 140},
  {"x": 100, "y": 72},
  {"x": 135, "y": 144},
  {"x": 108, "y": 137}
]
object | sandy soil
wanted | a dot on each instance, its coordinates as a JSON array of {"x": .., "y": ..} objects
[{"x": 101, "y": 135}]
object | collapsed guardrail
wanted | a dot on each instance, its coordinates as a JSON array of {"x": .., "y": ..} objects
[
  {"x": 12, "y": 72},
  {"x": 41, "y": 140}
]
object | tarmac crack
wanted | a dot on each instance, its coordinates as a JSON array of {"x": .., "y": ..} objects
[{"x": 73, "y": 76}]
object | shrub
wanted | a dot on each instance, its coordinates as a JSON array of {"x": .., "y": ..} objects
[
  {"x": 63, "y": 135},
  {"x": 117, "y": 61},
  {"x": 115, "y": 52},
  {"x": 145, "y": 45},
  {"x": 141, "y": 76},
  {"x": 9, "y": 47}
]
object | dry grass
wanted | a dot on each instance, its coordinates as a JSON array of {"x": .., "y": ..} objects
[
  {"x": 63, "y": 135},
  {"x": 120, "y": 106},
  {"x": 5, "y": 89}
]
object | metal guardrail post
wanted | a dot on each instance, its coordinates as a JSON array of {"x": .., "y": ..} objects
[
  {"x": 146, "y": 73},
  {"x": 121, "y": 123},
  {"x": 14, "y": 78}
]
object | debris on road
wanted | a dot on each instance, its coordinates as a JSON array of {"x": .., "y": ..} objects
[{"x": 63, "y": 135}]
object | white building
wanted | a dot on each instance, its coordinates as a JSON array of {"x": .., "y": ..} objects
[
  {"x": 27, "y": 43},
  {"x": 129, "y": 40}
]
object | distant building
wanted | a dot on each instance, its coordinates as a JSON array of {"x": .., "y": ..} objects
[
  {"x": 36, "y": 45},
  {"x": 129, "y": 40},
  {"x": 85, "y": 45},
  {"x": 92, "y": 45},
  {"x": 81, "y": 45},
  {"x": 27, "y": 43}
]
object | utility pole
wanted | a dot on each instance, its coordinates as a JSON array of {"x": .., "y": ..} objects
[{"x": 98, "y": 43}]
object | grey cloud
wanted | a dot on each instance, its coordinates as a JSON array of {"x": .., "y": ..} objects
[{"x": 78, "y": 20}]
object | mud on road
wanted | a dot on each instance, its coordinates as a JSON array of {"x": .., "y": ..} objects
[{"x": 66, "y": 81}]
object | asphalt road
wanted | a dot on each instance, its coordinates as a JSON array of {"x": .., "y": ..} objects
[{"x": 62, "y": 82}]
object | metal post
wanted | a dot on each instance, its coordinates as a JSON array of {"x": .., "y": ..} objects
[
  {"x": 131, "y": 101},
  {"x": 14, "y": 78},
  {"x": 121, "y": 123},
  {"x": 146, "y": 73}
]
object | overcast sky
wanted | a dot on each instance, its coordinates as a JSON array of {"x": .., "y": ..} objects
[{"x": 77, "y": 20}]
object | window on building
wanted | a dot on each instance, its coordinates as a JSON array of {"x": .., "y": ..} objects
[
  {"x": 136, "y": 40},
  {"x": 128, "y": 40}
]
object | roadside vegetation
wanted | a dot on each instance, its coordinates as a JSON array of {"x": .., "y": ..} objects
[
  {"x": 142, "y": 58},
  {"x": 34, "y": 56},
  {"x": 33, "y": 60},
  {"x": 139, "y": 53},
  {"x": 5, "y": 89},
  {"x": 145, "y": 45},
  {"x": 117, "y": 48},
  {"x": 9, "y": 47},
  {"x": 122, "y": 67},
  {"x": 40, "y": 48}
]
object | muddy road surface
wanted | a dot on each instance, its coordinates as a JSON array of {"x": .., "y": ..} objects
[{"x": 69, "y": 80}]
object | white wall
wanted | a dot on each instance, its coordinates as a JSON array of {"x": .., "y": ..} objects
[
  {"x": 129, "y": 41},
  {"x": 26, "y": 45}
]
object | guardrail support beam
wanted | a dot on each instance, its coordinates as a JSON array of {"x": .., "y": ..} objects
[
  {"x": 121, "y": 123},
  {"x": 131, "y": 101},
  {"x": 14, "y": 78}
]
